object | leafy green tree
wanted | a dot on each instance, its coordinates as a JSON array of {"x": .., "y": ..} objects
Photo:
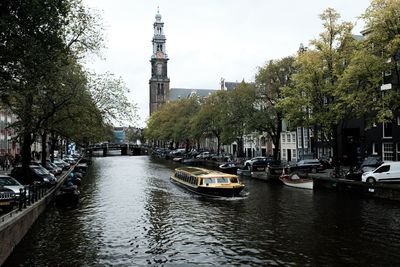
[
  {"x": 210, "y": 120},
  {"x": 39, "y": 40},
  {"x": 313, "y": 99},
  {"x": 110, "y": 95},
  {"x": 134, "y": 134},
  {"x": 377, "y": 56},
  {"x": 239, "y": 105},
  {"x": 267, "y": 115},
  {"x": 32, "y": 49},
  {"x": 171, "y": 123}
]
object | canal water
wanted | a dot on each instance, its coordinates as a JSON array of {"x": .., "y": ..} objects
[{"x": 130, "y": 214}]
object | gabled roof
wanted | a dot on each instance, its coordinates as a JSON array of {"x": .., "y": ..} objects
[
  {"x": 182, "y": 93},
  {"x": 231, "y": 85}
]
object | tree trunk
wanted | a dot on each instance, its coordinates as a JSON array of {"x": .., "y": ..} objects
[
  {"x": 53, "y": 146},
  {"x": 240, "y": 147},
  {"x": 44, "y": 148},
  {"x": 218, "y": 145},
  {"x": 335, "y": 147},
  {"x": 187, "y": 146},
  {"x": 278, "y": 136},
  {"x": 26, "y": 157}
]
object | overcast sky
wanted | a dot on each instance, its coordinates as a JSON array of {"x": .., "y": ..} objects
[{"x": 207, "y": 39}]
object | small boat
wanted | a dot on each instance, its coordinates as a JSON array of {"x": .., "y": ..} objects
[
  {"x": 244, "y": 171},
  {"x": 229, "y": 167},
  {"x": 177, "y": 159},
  {"x": 294, "y": 180},
  {"x": 207, "y": 182},
  {"x": 67, "y": 196}
]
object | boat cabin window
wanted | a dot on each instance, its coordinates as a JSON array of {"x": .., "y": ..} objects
[
  {"x": 222, "y": 180},
  {"x": 208, "y": 181},
  {"x": 234, "y": 180},
  {"x": 186, "y": 177}
]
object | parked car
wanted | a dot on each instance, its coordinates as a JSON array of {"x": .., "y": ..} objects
[
  {"x": 8, "y": 199},
  {"x": 387, "y": 172},
  {"x": 62, "y": 164},
  {"x": 306, "y": 156},
  {"x": 326, "y": 160},
  {"x": 50, "y": 165},
  {"x": 221, "y": 157},
  {"x": 37, "y": 174},
  {"x": 69, "y": 159},
  {"x": 11, "y": 183},
  {"x": 369, "y": 163},
  {"x": 250, "y": 161},
  {"x": 204, "y": 155},
  {"x": 307, "y": 165}
]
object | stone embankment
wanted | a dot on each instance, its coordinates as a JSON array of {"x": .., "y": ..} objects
[{"x": 15, "y": 224}]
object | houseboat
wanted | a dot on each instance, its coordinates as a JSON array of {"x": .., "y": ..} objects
[{"x": 207, "y": 182}]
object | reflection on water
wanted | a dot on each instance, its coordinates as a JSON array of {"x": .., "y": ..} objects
[{"x": 130, "y": 214}]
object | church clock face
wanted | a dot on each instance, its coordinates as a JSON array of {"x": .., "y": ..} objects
[
  {"x": 159, "y": 54},
  {"x": 159, "y": 69}
]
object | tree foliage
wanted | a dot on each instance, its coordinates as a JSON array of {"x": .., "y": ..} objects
[
  {"x": 376, "y": 62},
  {"x": 211, "y": 119},
  {"x": 172, "y": 121},
  {"x": 268, "y": 115},
  {"x": 313, "y": 99},
  {"x": 109, "y": 94}
]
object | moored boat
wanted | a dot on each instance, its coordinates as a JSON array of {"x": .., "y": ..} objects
[
  {"x": 67, "y": 195},
  {"x": 229, "y": 167},
  {"x": 294, "y": 180},
  {"x": 207, "y": 182}
]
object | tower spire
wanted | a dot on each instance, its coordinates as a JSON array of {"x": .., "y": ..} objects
[{"x": 159, "y": 81}]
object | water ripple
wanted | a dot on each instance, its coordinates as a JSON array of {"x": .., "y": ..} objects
[{"x": 130, "y": 214}]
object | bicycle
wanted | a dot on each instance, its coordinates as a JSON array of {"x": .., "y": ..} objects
[{"x": 338, "y": 172}]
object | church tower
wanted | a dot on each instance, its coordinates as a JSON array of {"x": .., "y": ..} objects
[{"x": 159, "y": 81}]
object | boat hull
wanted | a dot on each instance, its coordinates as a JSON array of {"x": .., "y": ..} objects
[
  {"x": 298, "y": 183},
  {"x": 67, "y": 198}
]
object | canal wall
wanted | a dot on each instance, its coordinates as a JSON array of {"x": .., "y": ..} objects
[
  {"x": 377, "y": 190},
  {"x": 15, "y": 224}
]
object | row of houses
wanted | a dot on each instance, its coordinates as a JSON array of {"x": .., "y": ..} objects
[{"x": 356, "y": 139}]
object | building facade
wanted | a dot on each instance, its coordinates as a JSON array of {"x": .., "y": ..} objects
[
  {"x": 159, "y": 81},
  {"x": 8, "y": 143}
]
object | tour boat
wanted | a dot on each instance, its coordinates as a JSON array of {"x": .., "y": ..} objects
[
  {"x": 207, "y": 182},
  {"x": 294, "y": 180}
]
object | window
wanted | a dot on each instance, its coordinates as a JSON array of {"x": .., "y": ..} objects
[
  {"x": 288, "y": 138},
  {"x": 283, "y": 138},
  {"x": 387, "y": 152},
  {"x": 294, "y": 153},
  {"x": 385, "y": 168},
  {"x": 387, "y": 130},
  {"x": 398, "y": 152},
  {"x": 284, "y": 153},
  {"x": 207, "y": 181},
  {"x": 294, "y": 138},
  {"x": 299, "y": 136},
  {"x": 222, "y": 180}
]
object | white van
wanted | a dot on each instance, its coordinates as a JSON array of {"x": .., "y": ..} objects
[{"x": 387, "y": 172}]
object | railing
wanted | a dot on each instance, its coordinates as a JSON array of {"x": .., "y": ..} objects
[{"x": 30, "y": 194}]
